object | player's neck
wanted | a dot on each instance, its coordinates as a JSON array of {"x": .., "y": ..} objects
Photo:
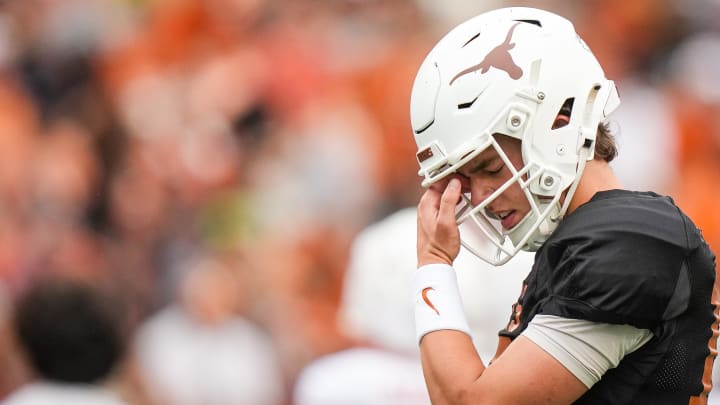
[{"x": 597, "y": 176}]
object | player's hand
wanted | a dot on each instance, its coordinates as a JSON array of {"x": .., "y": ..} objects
[{"x": 438, "y": 238}]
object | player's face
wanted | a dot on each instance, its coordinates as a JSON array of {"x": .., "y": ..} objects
[{"x": 487, "y": 172}]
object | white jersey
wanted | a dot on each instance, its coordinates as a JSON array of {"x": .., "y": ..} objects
[
  {"x": 362, "y": 376},
  {"x": 377, "y": 306},
  {"x": 188, "y": 363},
  {"x": 47, "y": 393},
  {"x": 377, "y": 302}
]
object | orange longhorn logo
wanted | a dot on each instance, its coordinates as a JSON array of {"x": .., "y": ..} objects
[{"x": 499, "y": 58}]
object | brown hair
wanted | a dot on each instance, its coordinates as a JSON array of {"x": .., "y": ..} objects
[{"x": 605, "y": 147}]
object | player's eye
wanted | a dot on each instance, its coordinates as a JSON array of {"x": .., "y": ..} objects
[{"x": 494, "y": 170}]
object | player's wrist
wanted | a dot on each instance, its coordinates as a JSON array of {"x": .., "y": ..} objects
[
  {"x": 438, "y": 305},
  {"x": 432, "y": 258}
]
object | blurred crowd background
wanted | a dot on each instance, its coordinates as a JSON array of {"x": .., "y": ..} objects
[{"x": 212, "y": 160}]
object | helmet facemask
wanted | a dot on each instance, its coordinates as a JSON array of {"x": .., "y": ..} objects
[{"x": 482, "y": 233}]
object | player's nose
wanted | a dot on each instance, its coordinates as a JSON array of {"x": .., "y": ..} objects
[{"x": 480, "y": 191}]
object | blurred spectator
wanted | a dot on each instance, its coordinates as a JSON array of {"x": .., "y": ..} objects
[
  {"x": 73, "y": 336},
  {"x": 630, "y": 47},
  {"x": 299, "y": 281},
  {"x": 200, "y": 351},
  {"x": 697, "y": 105},
  {"x": 376, "y": 311},
  {"x": 12, "y": 370}
]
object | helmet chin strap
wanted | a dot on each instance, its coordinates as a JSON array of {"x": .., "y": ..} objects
[
  {"x": 540, "y": 234},
  {"x": 557, "y": 212},
  {"x": 583, "y": 158}
]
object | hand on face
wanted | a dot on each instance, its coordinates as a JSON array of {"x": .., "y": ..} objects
[{"x": 438, "y": 238}]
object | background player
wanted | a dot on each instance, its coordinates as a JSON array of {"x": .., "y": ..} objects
[{"x": 383, "y": 367}]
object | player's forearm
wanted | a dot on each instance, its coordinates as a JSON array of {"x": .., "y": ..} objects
[{"x": 451, "y": 366}]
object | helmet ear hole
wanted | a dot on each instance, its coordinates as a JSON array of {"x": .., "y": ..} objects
[
  {"x": 564, "y": 115},
  {"x": 534, "y": 22}
]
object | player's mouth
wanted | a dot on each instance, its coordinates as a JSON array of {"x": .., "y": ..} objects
[{"x": 508, "y": 219}]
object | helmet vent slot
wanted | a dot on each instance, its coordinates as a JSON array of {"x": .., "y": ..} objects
[
  {"x": 474, "y": 37},
  {"x": 587, "y": 118},
  {"x": 534, "y": 22},
  {"x": 469, "y": 104},
  {"x": 563, "y": 116},
  {"x": 421, "y": 130}
]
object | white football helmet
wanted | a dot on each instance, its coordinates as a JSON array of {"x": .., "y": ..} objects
[{"x": 510, "y": 71}]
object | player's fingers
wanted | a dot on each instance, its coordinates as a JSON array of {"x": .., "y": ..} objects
[
  {"x": 429, "y": 204},
  {"x": 440, "y": 185},
  {"x": 450, "y": 198}
]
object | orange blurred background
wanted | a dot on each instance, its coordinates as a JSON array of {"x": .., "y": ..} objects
[{"x": 139, "y": 135}]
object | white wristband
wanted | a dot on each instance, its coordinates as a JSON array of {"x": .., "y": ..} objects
[{"x": 438, "y": 304}]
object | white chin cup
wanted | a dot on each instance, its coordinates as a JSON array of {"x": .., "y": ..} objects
[
  {"x": 537, "y": 236},
  {"x": 484, "y": 237}
]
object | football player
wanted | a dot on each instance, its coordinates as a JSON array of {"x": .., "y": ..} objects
[{"x": 508, "y": 112}]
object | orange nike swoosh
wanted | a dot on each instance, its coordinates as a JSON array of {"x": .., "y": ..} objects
[{"x": 427, "y": 300}]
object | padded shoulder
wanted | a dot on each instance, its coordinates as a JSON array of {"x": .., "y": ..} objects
[{"x": 619, "y": 260}]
